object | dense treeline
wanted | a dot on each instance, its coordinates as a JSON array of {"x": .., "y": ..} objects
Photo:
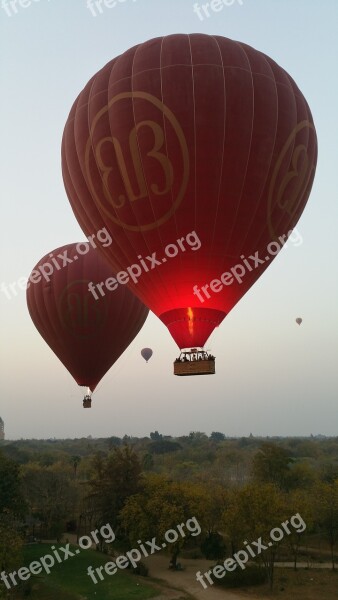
[
  {"x": 197, "y": 447},
  {"x": 237, "y": 489}
]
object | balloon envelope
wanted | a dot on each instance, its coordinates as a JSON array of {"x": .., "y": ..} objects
[
  {"x": 146, "y": 353},
  {"x": 88, "y": 335},
  {"x": 197, "y": 153},
  {"x": 299, "y": 320}
]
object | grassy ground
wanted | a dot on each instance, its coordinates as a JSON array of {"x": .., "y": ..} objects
[
  {"x": 69, "y": 580},
  {"x": 305, "y": 584}
]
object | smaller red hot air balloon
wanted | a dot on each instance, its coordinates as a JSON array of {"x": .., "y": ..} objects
[
  {"x": 146, "y": 353},
  {"x": 87, "y": 330},
  {"x": 299, "y": 320}
]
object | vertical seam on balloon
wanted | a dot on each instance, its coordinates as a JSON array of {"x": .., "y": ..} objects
[
  {"x": 113, "y": 64},
  {"x": 109, "y": 67},
  {"x": 81, "y": 150},
  {"x": 239, "y": 202},
  {"x": 140, "y": 232},
  {"x": 48, "y": 321},
  {"x": 128, "y": 256},
  {"x": 195, "y": 146},
  {"x": 82, "y": 276},
  {"x": 163, "y": 286},
  {"x": 274, "y": 144},
  {"x": 222, "y": 160},
  {"x": 127, "y": 234},
  {"x": 84, "y": 218},
  {"x": 69, "y": 279},
  {"x": 138, "y": 145},
  {"x": 50, "y": 327},
  {"x": 172, "y": 290},
  {"x": 87, "y": 221},
  {"x": 143, "y": 233},
  {"x": 311, "y": 172},
  {"x": 267, "y": 173}
]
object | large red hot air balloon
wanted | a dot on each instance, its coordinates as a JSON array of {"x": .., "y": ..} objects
[
  {"x": 190, "y": 135},
  {"x": 88, "y": 335}
]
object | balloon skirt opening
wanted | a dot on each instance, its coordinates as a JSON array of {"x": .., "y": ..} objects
[{"x": 192, "y": 326}]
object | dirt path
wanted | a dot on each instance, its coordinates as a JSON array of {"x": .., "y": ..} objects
[
  {"x": 304, "y": 565},
  {"x": 186, "y": 580}
]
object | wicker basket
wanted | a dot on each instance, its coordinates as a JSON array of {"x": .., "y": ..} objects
[{"x": 196, "y": 367}]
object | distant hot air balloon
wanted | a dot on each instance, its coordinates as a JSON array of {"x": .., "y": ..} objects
[
  {"x": 88, "y": 335},
  {"x": 146, "y": 353},
  {"x": 299, "y": 320},
  {"x": 198, "y": 154}
]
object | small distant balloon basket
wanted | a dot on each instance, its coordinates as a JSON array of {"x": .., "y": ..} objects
[
  {"x": 194, "y": 362},
  {"x": 87, "y": 402}
]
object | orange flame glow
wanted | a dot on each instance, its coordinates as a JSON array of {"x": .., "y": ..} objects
[{"x": 190, "y": 314}]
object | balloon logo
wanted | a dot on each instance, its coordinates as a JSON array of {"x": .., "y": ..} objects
[
  {"x": 190, "y": 135},
  {"x": 146, "y": 353},
  {"x": 79, "y": 312},
  {"x": 106, "y": 155},
  {"x": 289, "y": 191}
]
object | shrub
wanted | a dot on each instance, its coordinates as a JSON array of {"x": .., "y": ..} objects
[
  {"x": 141, "y": 569},
  {"x": 252, "y": 575},
  {"x": 213, "y": 547}
]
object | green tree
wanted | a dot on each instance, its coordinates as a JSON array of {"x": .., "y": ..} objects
[
  {"x": 271, "y": 464},
  {"x": 155, "y": 435},
  {"x": 11, "y": 497},
  {"x": 114, "y": 478},
  {"x": 252, "y": 512},
  {"x": 52, "y": 495},
  {"x": 197, "y": 436},
  {"x": 114, "y": 441},
  {"x": 217, "y": 436},
  {"x": 11, "y": 543},
  {"x": 301, "y": 476},
  {"x": 326, "y": 501},
  {"x": 299, "y": 502},
  {"x": 75, "y": 461},
  {"x": 161, "y": 505},
  {"x": 213, "y": 546},
  {"x": 163, "y": 447},
  {"x": 148, "y": 461},
  {"x": 12, "y": 510}
]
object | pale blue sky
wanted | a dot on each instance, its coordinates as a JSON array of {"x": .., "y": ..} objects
[{"x": 273, "y": 377}]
